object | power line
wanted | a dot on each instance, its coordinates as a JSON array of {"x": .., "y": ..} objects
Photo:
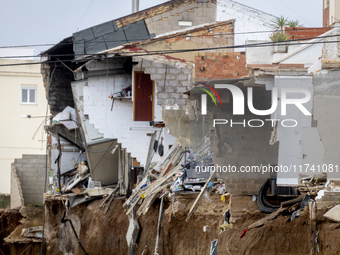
[
  {"x": 236, "y": 46},
  {"x": 84, "y": 15},
  {"x": 141, "y": 39},
  {"x": 150, "y": 53}
]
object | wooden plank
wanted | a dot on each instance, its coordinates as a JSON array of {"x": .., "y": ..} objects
[
  {"x": 137, "y": 191},
  {"x": 194, "y": 206}
]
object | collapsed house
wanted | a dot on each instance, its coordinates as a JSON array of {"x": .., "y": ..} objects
[{"x": 131, "y": 117}]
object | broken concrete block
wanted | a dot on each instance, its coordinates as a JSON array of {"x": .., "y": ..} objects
[
  {"x": 333, "y": 214},
  {"x": 132, "y": 233}
]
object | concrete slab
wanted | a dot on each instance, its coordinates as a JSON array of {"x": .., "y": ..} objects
[{"x": 333, "y": 214}]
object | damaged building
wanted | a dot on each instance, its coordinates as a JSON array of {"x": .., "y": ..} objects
[{"x": 169, "y": 119}]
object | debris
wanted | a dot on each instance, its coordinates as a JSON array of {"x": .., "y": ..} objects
[
  {"x": 111, "y": 199},
  {"x": 333, "y": 214},
  {"x": 224, "y": 226},
  {"x": 292, "y": 201},
  {"x": 194, "y": 206},
  {"x": 265, "y": 219},
  {"x": 77, "y": 190},
  {"x": 227, "y": 216},
  {"x": 244, "y": 232},
  {"x": 132, "y": 233},
  {"x": 98, "y": 191},
  {"x": 206, "y": 228},
  {"x": 94, "y": 184},
  {"x": 213, "y": 248},
  {"x": 33, "y": 232}
]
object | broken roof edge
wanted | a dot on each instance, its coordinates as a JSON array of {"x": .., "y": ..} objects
[
  {"x": 59, "y": 44},
  {"x": 157, "y": 38},
  {"x": 177, "y": 33}
]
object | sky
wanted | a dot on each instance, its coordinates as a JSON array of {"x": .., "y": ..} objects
[{"x": 26, "y": 22}]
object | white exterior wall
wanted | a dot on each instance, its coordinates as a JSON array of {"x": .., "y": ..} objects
[
  {"x": 16, "y": 131},
  {"x": 119, "y": 123},
  {"x": 247, "y": 19}
]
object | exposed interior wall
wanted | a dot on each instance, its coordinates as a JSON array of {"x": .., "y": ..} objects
[
  {"x": 247, "y": 19},
  {"x": 16, "y": 131},
  {"x": 118, "y": 123}
]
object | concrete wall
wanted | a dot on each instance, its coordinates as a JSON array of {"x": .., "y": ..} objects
[
  {"x": 242, "y": 146},
  {"x": 28, "y": 173},
  {"x": 327, "y": 116},
  {"x": 247, "y": 19},
  {"x": 16, "y": 131},
  {"x": 197, "y": 13}
]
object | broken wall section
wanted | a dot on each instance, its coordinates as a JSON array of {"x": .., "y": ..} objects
[
  {"x": 171, "y": 78},
  {"x": 326, "y": 116},
  {"x": 28, "y": 180}
]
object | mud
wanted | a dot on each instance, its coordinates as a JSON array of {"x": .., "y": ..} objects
[{"x": 106, "y": 234}]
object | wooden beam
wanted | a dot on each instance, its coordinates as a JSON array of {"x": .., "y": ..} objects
[{"x": 194, "y": 206}]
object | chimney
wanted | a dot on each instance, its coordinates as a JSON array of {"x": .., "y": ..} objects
[{"x": 135, "y": 6}]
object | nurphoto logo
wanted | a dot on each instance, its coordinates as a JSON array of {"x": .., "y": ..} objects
[{"x": 239, "y": 102}]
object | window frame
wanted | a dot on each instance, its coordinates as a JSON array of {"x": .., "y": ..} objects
[{"x": 28, "y": 88}]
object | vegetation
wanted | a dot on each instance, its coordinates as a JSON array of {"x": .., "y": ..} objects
[
  {"x": 279, "y": 24},
  {"x": 279, "y": 37},
  {"x": 294, "y": 23}
]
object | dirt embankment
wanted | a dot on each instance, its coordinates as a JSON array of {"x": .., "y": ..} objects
[{"x": 105, "y": 234}]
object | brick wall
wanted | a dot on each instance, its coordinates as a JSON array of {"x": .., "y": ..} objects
[
  {"x": 155, "y": 11},
  {"x": 305, "y": 32},
  {"x": 220, "y": 65},
  {"x": 28, "y": 173}
]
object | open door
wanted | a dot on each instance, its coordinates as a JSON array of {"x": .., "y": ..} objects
[{"x": 143, "y": 97}]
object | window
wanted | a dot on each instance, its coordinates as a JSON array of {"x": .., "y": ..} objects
[{"x": 28, "y": 95}]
